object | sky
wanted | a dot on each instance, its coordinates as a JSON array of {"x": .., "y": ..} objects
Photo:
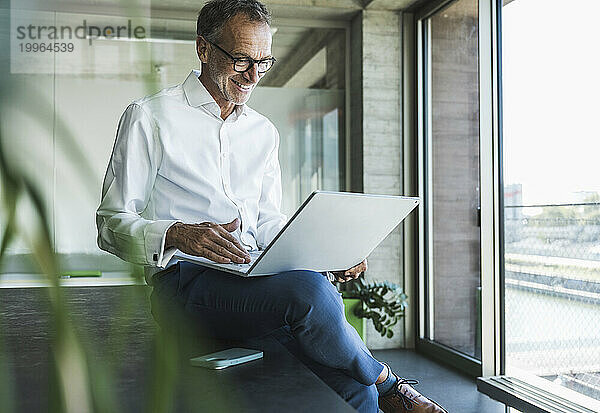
[{"x": 551, "y": 98}]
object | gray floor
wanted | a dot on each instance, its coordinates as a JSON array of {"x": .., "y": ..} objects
[{"x": 456, "y": 392}]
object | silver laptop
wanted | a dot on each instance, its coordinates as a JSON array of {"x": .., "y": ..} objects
[{"x": 330, "y": 231}]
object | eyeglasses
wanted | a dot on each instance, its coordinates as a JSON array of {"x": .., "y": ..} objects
[{"x": 243, "y": 64}]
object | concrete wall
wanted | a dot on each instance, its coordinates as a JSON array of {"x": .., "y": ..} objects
[{"x": 377, "y": 136}]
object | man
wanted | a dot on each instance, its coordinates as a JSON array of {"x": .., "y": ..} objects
[{"x": 193, "y": 168}]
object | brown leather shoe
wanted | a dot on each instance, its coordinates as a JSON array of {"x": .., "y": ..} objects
[{"x": 404, "y": 398}]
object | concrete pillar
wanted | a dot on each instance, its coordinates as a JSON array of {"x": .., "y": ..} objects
[{"x": 376, "y": 150}]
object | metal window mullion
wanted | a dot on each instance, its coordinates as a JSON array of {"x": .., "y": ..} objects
[
  {"x": 408, "y": 171},
  {"x": 497, "y": 33},
  {"x": 429, "y": 181},
  {"x": 410, "y": 174},
  {"x": 421, "y": 186},
  {"x": 426, "y": 301},
  {"x": 489, "y": 189},
  {"x": 495, "y": 10}
]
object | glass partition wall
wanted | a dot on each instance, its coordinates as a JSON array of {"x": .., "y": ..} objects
[
  {"x": 62, "y": 108},
  {"x": 304, "y": 96}
]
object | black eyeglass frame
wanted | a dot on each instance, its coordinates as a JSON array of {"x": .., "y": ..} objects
[{"x": 247, "y": 59}]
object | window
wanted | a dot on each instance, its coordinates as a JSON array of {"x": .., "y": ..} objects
[
  {"x": 551, "y": 193},
  {"x": 450, "y": 178},
  {"x": 538, "y": 197}
]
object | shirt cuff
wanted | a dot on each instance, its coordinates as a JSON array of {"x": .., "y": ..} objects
[
  {"x": 167, "y": 255},
  {"x": 155, "y": 235},
  {"x": 329, "y": 276}
]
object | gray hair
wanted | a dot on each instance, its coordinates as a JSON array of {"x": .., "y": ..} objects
[{"x": 216, "y": 13}]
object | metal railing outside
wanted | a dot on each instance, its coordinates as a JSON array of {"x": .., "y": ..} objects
[{"x": 552, "y": 293}]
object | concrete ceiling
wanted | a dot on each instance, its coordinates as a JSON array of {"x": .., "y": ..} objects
[
  {"x": 388, "y": 4},
  {"x": 299, "y": 9},
  {"x": 297, "y": 45}
]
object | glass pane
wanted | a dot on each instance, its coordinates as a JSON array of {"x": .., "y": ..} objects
[
  {"x": 303, "y": 95},
  {"x": 552, "y": 192},
  {"x": 62, "y": 108},
  {"x": 309, "y": 127},
  {"x": 454, "y": 197}
]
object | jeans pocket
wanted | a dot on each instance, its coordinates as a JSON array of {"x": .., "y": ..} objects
[{"x": 166, "y": 283}]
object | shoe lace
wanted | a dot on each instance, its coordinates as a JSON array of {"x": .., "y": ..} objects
[{"x": 407, "y": 402}]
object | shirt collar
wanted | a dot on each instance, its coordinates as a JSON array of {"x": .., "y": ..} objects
[{"x": 197, "y": 95}]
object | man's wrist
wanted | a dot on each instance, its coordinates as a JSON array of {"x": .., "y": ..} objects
[{"x": 171, "y": 238}]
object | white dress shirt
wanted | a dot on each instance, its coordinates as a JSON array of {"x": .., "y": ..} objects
[{"x": 175, "y": 159}]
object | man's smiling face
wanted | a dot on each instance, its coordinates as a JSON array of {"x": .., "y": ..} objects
[{"x": 240, "y": 38}]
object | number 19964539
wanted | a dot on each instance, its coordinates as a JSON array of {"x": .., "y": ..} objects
[{"x": 46, "y": 47}]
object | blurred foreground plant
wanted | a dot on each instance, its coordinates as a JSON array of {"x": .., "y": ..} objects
[
  {"x": 79, "y": 380},
  {"x": 69, "y": 361}
]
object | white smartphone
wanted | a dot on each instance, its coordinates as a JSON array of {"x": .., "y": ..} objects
[{"x": 226, "y": 358}]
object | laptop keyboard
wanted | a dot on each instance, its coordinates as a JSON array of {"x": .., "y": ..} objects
[{"x": 254, "y": 254}]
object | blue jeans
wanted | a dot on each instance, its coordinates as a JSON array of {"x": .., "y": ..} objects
[{"x": 303, "y": 305}]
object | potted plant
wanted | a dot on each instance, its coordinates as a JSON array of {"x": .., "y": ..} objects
[{"x": 381, "y": 302}]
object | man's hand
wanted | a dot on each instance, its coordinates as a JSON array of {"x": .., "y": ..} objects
[
  {"x": 209, "y": 240},
  {"x": 350, "y": 274}
]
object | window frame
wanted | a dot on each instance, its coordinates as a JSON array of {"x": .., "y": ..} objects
[{"x": 416, "y": 132}]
